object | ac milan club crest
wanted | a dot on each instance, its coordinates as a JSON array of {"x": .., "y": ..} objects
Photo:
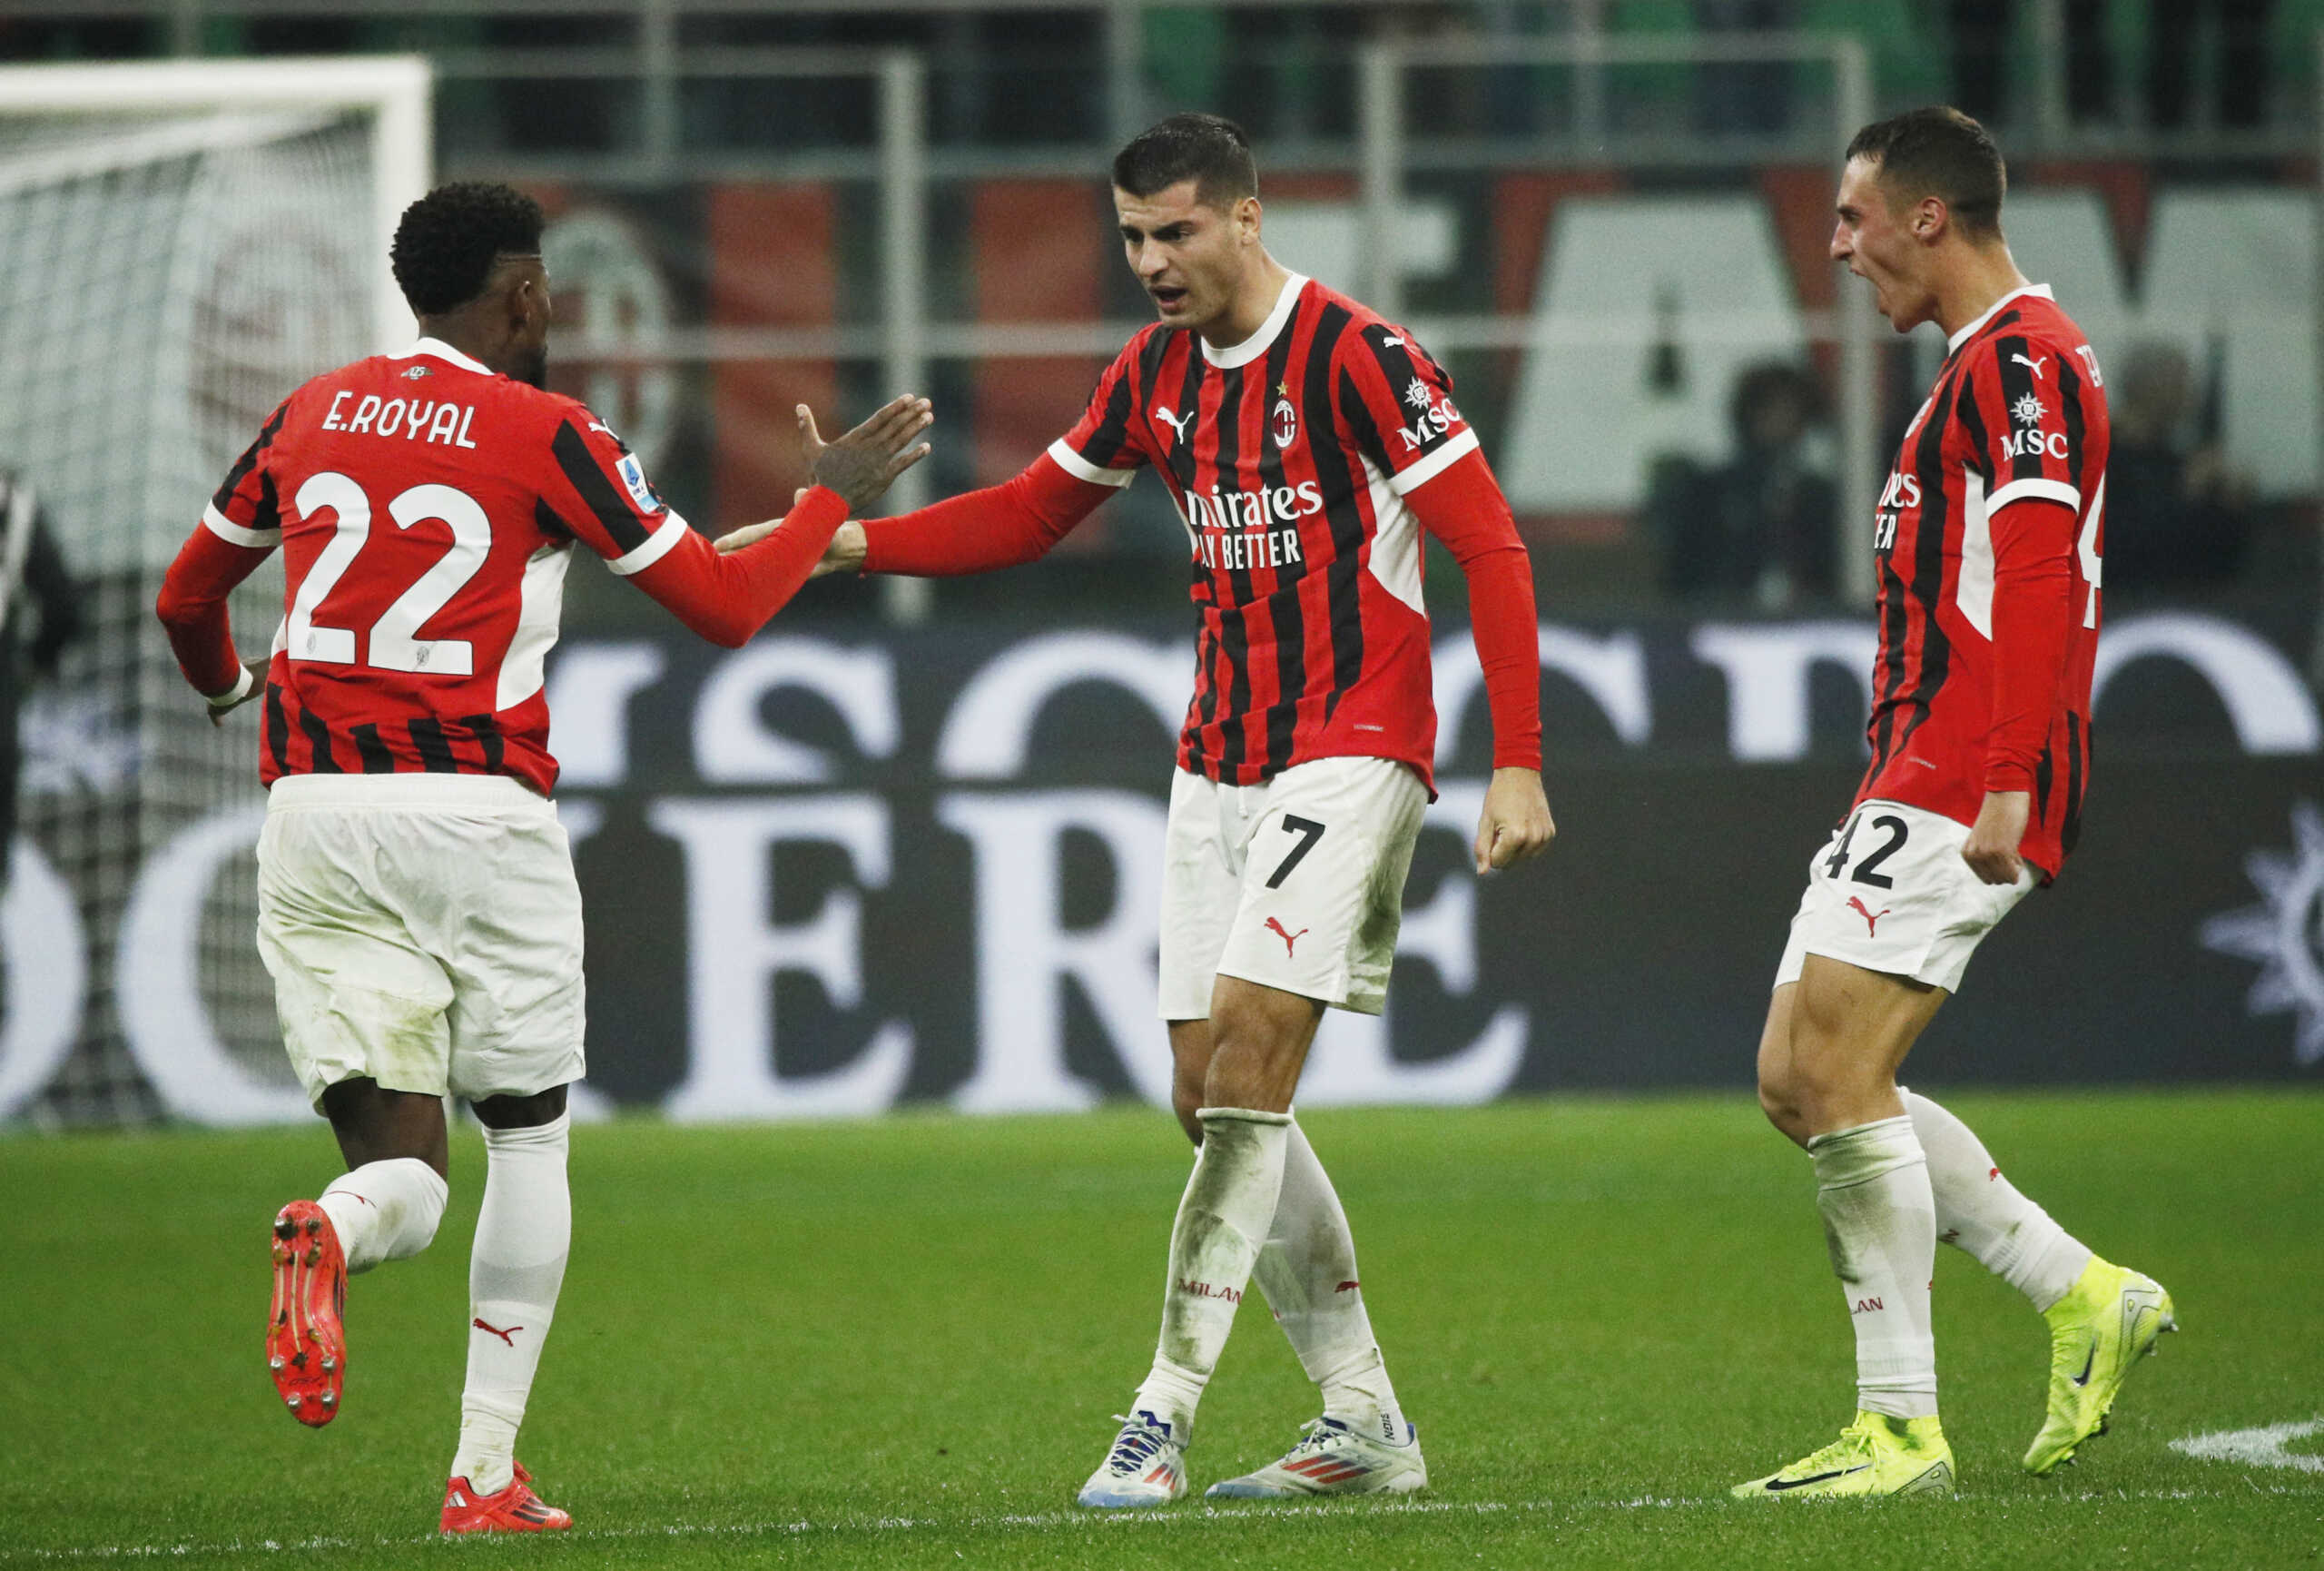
[{"x": 1284, "y": 419}]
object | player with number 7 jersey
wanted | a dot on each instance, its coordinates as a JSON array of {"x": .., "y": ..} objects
[{"x": 417, "y": 904}]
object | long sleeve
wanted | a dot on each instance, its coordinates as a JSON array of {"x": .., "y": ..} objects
[
  {"x": 193, "y": 607},
  {"x": 727, "y": 599},
  {"x": 2033, "y": 610},
  {"x": 1463, "y": 506},
  {"x": 998, "y": 527}
]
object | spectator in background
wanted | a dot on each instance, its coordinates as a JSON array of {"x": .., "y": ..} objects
[
  {"x": 33, "y": 583},
  {"x": 2176, "y": 514},
  {"x": 1761, "y": 523}
]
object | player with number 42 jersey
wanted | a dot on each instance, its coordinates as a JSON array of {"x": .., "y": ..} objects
[
  {"x": 1988, "y": 536},
  {"x": 1989, "y": 611}
]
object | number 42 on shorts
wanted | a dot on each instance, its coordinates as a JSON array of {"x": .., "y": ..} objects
[{"x": 1868, "y": 871}]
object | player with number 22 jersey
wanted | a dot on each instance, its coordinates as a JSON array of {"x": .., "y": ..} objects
[{"x": 417, "y": 905}]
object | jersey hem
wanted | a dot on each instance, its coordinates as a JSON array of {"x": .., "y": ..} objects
[{"x": 1213, "y": 770}]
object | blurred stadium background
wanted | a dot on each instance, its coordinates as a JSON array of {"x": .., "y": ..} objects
[{"x": 905, "y": 847}]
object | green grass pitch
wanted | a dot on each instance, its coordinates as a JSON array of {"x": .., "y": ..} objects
[{"x": 901, "y": 1343}]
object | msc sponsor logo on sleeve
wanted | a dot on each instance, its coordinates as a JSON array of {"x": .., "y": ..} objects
[
  {"x": 2029, "y": 440},
  {"x": 1433, "y": 416}
]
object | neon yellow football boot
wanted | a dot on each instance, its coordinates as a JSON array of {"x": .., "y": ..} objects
[
  {"x": 2109, "y": 1319},
  {"x": 1875, "y": 1455}
]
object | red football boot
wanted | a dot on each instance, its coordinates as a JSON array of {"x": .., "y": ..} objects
[
  {"x": 306, "y": 1345},
  {"x": 515, "y": 1509}
]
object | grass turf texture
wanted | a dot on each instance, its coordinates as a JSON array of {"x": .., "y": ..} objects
[{"x": 901, "y": 1343}]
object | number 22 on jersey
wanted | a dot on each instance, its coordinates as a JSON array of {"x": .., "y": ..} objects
[{"x": 392, "y": 641}]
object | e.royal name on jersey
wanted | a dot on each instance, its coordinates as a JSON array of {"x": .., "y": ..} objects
[{"x": 413, "y": 420}]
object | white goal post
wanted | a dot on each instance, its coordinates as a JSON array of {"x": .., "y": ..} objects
[
  {"x": 396, "y": 90},
  {"x": 181, "y": 244}
]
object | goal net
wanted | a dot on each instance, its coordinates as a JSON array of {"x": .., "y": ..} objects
[{"x": 179, "y": 246}]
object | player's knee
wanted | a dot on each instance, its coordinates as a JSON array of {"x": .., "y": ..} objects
[
  {"x": 1186, "y": 1101},
  {"x": 1782, "y": 1109},
  {"x": 1251, "y": 1080}
]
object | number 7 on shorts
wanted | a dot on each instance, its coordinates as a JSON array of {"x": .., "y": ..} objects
[{"x": 1309, "y": 832}]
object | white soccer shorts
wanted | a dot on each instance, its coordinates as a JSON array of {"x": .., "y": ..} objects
[
  {"x": 423, "y": 931},
  {"x": 1889, "y": 892},
  {"x": 1297, "y": 883}
]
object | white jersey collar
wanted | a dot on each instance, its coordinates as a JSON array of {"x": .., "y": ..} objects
[
  {"x": 2038, "y": 291},
  {"x": 438, "y": 349},
  {"x": 1253, "y": 347}
]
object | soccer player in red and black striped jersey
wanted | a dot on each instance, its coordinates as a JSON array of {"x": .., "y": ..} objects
[
  {"x": 1988, "y": 536},
  {"x": 417, "y": 905},
  {"x": 1308, "y": 444}
]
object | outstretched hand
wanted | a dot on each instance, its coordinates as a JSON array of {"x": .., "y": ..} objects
[
  {"x": 1515, "y": 825},
  {"x": 861, "y": 465}
]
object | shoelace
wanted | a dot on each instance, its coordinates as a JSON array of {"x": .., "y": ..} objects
[
  {"x": 1135, "y": 1446},
  {"x": 1318, "y": 1433},
  {"x": 1853, "y": 1443}
]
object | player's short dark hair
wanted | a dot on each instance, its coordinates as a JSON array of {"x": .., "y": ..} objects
[
  {"x": 1942, "y": 153},
  {"x": 1207, "y": 149},
  {"x": 447, "y": 242}
]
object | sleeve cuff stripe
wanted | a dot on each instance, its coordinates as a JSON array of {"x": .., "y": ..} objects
[
  {"x": 234, "y": 534},
  {"x": 1406, "y": 480},
  {"x": 658, "y": 544},
  {"x": 2046, "y": 490},
  {"x": 1081, "y": 468},
  {"x": 243, "y": 682}
]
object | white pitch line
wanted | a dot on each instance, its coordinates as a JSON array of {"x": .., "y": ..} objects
[
  {"x": 1076, "y": 1520},
  {"x": 2262, "y": 1448}
]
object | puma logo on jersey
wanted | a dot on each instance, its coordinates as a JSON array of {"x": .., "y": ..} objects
[
  {"x": 1289, "y": 938},
  {"x": 1391, "y": 341},
  {"x": 508, "y": 1336},
  {"x": 1871, "y": 921},
  {"x": 1171, "y": 418},
  {"x": 2035, "y": 365}
]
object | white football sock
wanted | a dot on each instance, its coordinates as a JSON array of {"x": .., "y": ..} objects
[
  {"x": 522, "y": 1236},
  {"x": 1307, "y": 1271},
  {"x": 1223, "y": 1218},
  {"x": 1985, "y": 1213},
  {"x": 385, "y": 1210},
  {"x": 1880, "y": 1221}
]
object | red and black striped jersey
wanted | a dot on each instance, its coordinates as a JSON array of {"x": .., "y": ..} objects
[
  {"x": 426, "y": 509},
  {"x": 1289, "y": 457},
  {"x": 1988, "y": 536}
]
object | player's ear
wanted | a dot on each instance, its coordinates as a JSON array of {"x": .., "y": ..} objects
[
  {"x": 1930, "y": 219},
  {"x": 1247, "y": 214}
]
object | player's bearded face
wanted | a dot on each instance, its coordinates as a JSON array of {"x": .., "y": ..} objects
[
  {"x": 1875, "y": 241},
  {"x": 1187, "y": 255}
]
